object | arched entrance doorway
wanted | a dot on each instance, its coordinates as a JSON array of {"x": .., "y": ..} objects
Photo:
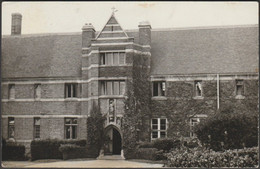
[{"x": 113, "y": 141}]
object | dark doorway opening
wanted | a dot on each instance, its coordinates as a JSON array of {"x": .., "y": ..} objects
[
  {"x": 116, "y": 142},
  {"x": 113, "y": 142}
]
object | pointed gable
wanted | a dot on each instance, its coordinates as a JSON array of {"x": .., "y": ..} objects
[{"x": 112, "y": 29}]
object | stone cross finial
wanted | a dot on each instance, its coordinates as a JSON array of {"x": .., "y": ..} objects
[{"x": 114, "y": 10}]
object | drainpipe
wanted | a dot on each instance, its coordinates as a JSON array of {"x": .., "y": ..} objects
[{"x": 217, "y": 91}]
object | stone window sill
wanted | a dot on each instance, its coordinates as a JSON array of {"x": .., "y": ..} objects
[
  {"x": 198, "y": 97},
  {"x": 240, "y": 97},
  {"x": 114, "y": 65},
  {"x": 71, "y": 99},
  {"x": 159, "y": 98},
  {"x": 111, "y": 96}
]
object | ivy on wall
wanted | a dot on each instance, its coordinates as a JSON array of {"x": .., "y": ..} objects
[
  {"x": 179, "y": 106},
  {"x": 136, "y": 104}
]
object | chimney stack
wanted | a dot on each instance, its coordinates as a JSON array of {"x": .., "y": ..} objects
[
  {"x": 145, "y": 33},
  {"x": 88, "y": 33},
  {"x": 16, "y": 24}
]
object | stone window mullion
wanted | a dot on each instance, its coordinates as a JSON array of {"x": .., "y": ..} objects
[{"x": 159, "y": 128}]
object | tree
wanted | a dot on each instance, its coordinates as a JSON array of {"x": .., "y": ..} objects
[
  {"x": 228, "y": 129},
  {"x": 95, "y": 127}
]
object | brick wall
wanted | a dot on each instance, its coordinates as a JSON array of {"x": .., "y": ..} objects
[
  {"x": 41, "y": 107},
  {"x": 4, "y": 91},
  {"x": 4, "y": 127},
  {"x": 24, "y": 128},
  {"x": 50, "y": 128},
  {"x": 115, "y": 71},
  {"x": 179, "y": 102},
  {"x": 24, "y": 91},
  {"x": 52, "y": 90}
]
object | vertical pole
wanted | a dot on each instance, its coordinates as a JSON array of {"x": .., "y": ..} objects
[{"x": 217, "y": 91}]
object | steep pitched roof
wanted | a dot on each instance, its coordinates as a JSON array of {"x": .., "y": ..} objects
[
  {"x": 41, "y": 56},
  {"x": 181, "y": 51},
  {"x": 209, "y": 50},
  {"x": 112, "y": 29}
]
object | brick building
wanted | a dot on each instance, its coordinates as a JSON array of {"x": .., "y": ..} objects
[{"x": 50, "y": 81}]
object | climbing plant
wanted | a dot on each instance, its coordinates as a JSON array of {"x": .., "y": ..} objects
[{"x": 136, "y": 105}]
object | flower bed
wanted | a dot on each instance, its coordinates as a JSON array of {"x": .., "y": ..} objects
[{"x": 197, "y": 157}]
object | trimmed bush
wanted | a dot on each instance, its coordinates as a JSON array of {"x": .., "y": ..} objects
[
  {"x": 166, "y": 144},
  {"x": 12, "y": 151},
  {"x": 72, "y": 151},
  {"x": 68, "y": 147},
  {"x": 49, "y": 149},
  {"x": 146, "y": 153},
  {"x": 130, "y": 153},
  {"x": 92, "y": 151},
  {"x": 226, "y": 130},
  {"x": 196, "y": 157},
  {"x": 3, "y": 142},
  {"x": 146, "y": 145}
]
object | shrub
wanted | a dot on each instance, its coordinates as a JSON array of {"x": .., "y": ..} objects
[
  {"x": 166, "y": 144},
  {"x": 12, "y": 151},
  {"x": 3, "y": 142},
  {"x": 92, "y": 151},
  {"x": 146, "y": 145},
  {"x": 49, "y": 149},
  {"x": 247, "y": 157},
  {"x": 229, "y": 131},
  {"x": 195, "y": 142},
  {"x": 68, "y": 147},
  {"x": 71, "y": 151},
  {"x": 146, "y": 153},
  {"x": 130, "y": 153}
]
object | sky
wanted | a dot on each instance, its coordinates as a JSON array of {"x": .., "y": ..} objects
[{"x": 61, "y": 17}]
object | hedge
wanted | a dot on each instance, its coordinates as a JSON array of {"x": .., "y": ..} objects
[
  {"x": 166, "y": 144},
  {"x": 129, "y": 153},
  {"x": 152, "y": 150},
  {"x": 72, "y": 151},
  {"x": 13, "y": 152},
  {"x": 196, "y": 157},
  {"x": 49, "y": 149}
]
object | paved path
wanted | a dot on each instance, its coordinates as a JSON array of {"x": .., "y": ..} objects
[{"x": 96, "y": 164}]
